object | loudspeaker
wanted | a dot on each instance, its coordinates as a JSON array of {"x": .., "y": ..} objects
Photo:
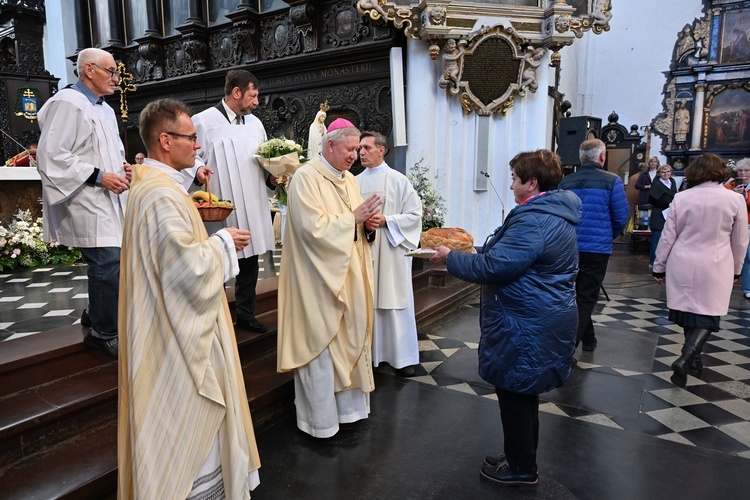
[{"x": 573, "y": 131}]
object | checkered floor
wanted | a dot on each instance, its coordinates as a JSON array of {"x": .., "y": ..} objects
[
  {"x": 35, "y": 300},
  {"x": 712, "y": 411}
]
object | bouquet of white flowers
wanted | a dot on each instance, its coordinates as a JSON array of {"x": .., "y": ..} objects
[
  {"x": 281, "y": 157},
  {"x": 21, "y": 244}
]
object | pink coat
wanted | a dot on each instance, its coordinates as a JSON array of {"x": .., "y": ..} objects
[{"x": 702, "y": 247}]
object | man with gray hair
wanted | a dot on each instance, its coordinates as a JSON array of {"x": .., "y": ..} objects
[
  {"x": 326, "y": 288},
  {"x": 605, "y": 215},
  {"x": 85, "y": 177}
]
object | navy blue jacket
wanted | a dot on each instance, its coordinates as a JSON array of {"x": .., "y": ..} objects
[
  {"x": 605, "y": 207},
  {"x": 529, "y": 317}
]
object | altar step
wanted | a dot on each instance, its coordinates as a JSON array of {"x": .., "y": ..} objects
[{"x": 58, "y": 399}]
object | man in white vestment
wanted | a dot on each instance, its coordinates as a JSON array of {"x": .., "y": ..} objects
[
  {"x": 326, "y": 287},
  {"x": 399, "y": 224},
  {"x": 230, "y": 135},
  {"x": 85, "y": 179},
  {"x": 184, "y": 427}
]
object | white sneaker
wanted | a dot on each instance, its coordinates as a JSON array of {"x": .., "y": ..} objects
[{"x": 747, "y": 295}]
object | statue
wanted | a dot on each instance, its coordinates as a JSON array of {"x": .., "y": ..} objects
[
  {"x": 532, "y": 60},
  {"x": 451, "y": 55},
  {"x": 681, "y": 122},
  {"x": 317, "y": 131},
  {"x": 601, "y": 13}
]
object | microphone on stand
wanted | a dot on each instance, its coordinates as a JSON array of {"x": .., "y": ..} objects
[
  {"x": 496, "y": 193},
  {"x": 12, "y": 161}
]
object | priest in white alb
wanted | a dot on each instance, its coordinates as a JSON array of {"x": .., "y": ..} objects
[
  {"x": 399, "y": 225},
  {"x": 184, "y": 427},
  {"x": 230, "y": 135},
  {"x": 326, "y": 289}
]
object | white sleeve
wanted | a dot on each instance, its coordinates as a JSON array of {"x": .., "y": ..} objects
[{"x": 231, "y": 266}]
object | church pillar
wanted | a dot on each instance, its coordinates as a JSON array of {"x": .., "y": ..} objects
[
  {"x": 695, "y": 137},
  {"x": 116, "y": 26}
]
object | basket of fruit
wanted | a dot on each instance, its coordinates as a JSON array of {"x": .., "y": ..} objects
[{"x": 211, "y": 208}]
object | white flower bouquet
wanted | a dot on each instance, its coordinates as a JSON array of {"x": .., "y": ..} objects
[
  {"x": 21, "y": 244},
  {"x": 280, "y": 156}
]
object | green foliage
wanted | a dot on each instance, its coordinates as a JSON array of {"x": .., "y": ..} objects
[
  {"x": 21, "y": 244},
  {"x": 433, "y": 205}
]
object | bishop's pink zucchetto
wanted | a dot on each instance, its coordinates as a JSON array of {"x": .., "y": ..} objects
[{"x": 340, "y": 123}]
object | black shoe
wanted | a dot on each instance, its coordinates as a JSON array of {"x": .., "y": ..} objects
[
  {"x": 108, "y": 347},
  {"x": 589, "y": 346},
  {"x": 253, "y": 325},
  {"x": 85, "y": 320},
  {"x": 695, "y": 365},
  {"x": 504, "y": 475},
  {"x": 407, "y": 371},
  {"x": 495, "y": 461}
]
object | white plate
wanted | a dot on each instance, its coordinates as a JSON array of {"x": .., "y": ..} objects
[{"x": 421, "y": 253}]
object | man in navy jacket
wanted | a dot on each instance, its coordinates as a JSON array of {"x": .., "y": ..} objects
[{"x": 605, "y": 215}]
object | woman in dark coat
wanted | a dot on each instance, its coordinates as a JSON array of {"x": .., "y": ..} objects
[
  {"x": 660, "y": 196},
  {"x": 527, "y": 269},
  {"x": 643, "y": 185}
]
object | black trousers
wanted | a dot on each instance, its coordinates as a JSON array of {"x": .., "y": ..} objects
[
  {"x": 244, "y": 288},
  {"x": 520, "y": 416},
  {"x": 591, "y": 270}
]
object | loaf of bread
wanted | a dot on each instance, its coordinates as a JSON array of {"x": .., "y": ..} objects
[{"x": 454, "y": 238}]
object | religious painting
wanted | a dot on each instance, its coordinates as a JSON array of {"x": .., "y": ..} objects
[
  {"x": 729, "y": 120},
  {"x": 735, "y": 38}
]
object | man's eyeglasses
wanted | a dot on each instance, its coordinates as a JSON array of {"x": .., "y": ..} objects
[
  {"x": 193, "y": 137},
  {"x": 112, "y": 72}
]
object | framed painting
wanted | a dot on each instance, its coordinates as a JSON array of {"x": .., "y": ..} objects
[
  {"x": 729, "y": 120},
  {"x": 735, "y": 42}
]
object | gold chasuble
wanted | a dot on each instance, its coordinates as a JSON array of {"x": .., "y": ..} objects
[
  {"x": 180, "y": 378},
  {"x": 325, "y": 282}
]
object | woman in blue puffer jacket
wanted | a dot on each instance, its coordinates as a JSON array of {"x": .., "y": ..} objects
[{"x": 527, "y": 269}]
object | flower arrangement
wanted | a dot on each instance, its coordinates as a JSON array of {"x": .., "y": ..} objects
[
  {"x": 281, "y": 157},
  {"x": 433, "y": 205},
  {"x": 21, "y": 244}
]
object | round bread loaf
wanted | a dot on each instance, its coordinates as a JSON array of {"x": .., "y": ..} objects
[{"x": 454, "y": 238}]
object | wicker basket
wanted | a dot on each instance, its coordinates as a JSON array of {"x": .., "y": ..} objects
[
  {"x": 215, "y": 214},
  {"x": 212, "y": 213}
]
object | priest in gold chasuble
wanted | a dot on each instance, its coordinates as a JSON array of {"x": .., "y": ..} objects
[
  {"x": 326, "y": 288},
  {"x": 184, "y": 427}
]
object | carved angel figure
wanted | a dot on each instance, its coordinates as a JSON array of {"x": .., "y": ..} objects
[
  {"x": 532, "y": 60},
  {"x": 601, "y": 12},
  {"x": 451, "y": 55},
  {"x": 685, "y": 45}
]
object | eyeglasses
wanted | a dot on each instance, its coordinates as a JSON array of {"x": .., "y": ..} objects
[
  {"x": 743, "y": 170},
  {"x": 112, "y": 72},
  {"x": 193, "y": 137}
]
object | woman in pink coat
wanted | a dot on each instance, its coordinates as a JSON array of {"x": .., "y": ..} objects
[{"x": 700, "y": 253}]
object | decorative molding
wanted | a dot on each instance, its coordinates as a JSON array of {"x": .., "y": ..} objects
[
  {"x": 489, "y": 68},
  {"x": 342, "y": 25},
  {"x": 303, "y": 17},
  {"x": 407, "y": 18},
  {"x": 233, "y": 47},
  {"x": 279, "y": 38}
]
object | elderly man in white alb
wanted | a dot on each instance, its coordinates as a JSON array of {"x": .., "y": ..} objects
[
  {"x": 85, "y": 179},
  {"x": 326, "y": 287},
  {"x": 399, "y": 225},
  {"x": 230, "y": 135},
  {"x": 184, "y": 427}
]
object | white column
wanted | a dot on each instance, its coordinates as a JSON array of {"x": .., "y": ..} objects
[{"x": 700, "y": 96}]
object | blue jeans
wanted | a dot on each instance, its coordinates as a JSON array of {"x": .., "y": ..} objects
[
  {"x": 104, "y": 289},
  {"x": 746, "y": 273},
  {"x": 655, "y": 235}
]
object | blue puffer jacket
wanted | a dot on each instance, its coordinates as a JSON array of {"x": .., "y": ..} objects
[
  {"x": 529, "y": 317},
  {"x": 605, "y": 207}
]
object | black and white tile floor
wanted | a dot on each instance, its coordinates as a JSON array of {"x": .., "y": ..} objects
[
  {"x": 712, "y": 411},
  {"x": 35, "y": 300}
]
